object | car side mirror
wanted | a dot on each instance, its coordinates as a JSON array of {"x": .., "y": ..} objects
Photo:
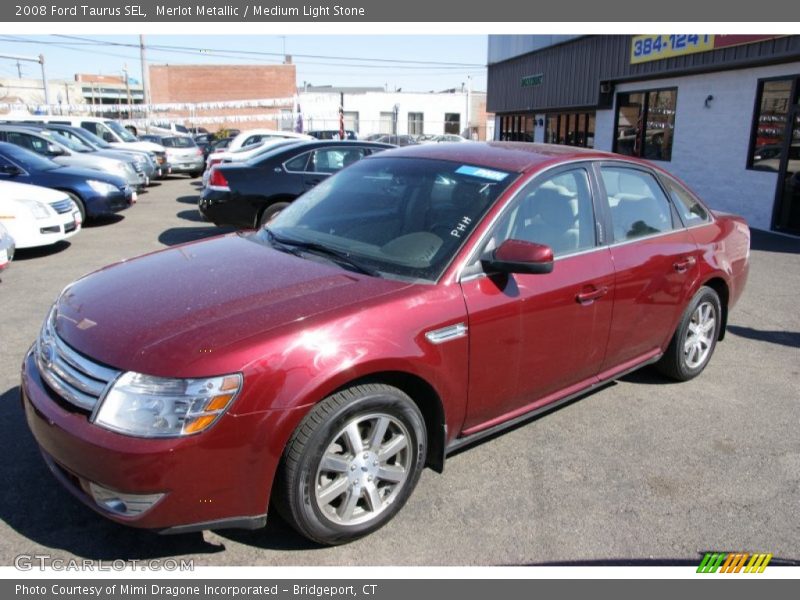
[
  {"x": 53, "y": 150},
  {"x": 519, "y": 256},
  {"x": 108, "y": 137},
  {"x": 11, "y": 170}
]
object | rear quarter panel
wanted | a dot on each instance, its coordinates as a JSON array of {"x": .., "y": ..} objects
[{"x": 725, "y": 251}]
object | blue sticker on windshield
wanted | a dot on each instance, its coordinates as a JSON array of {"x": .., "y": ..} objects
[{"x": 481, "y": 172}]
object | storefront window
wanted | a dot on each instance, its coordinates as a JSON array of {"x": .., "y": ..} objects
[
  {"x": 646, "y": 124},
  {"x": 570, "y": 129},
  {"x": 769, "y": 128},
  {"x": 517, "y": 128}
]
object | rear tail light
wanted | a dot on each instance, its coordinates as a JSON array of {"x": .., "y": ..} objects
[
  {"x": 217, "y": 179},
  {"x": 213, "y": 161},
  {"x": 199, "y": 152}
]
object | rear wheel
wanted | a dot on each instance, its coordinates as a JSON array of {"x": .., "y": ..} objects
[
  {"x": 271, "y": 212},
  {"x": 696, "y": 337},
  {"x": 352, "y": 464}
]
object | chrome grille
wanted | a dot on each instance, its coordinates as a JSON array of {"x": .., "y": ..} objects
[
  {"x": 74, "y": 377},
  {"x": 63, "y": 206}
]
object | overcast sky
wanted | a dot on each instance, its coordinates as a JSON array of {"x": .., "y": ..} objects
[{"x": 433, "y": 62}]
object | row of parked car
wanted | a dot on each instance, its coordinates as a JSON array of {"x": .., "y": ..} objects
[{"x": 58, "y": 171}]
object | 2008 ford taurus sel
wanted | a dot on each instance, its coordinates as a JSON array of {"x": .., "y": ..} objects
[{"x": 416, "y": 301}]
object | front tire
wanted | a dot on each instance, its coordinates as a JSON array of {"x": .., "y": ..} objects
[
  {"x": 695, "y": 339},
  {"x": 352, "y": 464},
  {"x": 81, "y": 206}
]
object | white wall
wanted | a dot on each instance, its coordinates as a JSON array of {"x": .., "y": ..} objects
[
  {"x": 320, "y": 109},
  {"x": 710, "y": 144}
]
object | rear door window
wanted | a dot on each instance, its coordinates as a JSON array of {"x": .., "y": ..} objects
[
  {"x": 636, "y": 202},
  {"x": 689, "y": 208}
]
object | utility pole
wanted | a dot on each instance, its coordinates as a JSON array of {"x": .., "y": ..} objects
[
  {"x": 145, "y": 82},
  {"x": 44, "y": 84},
  {"x": 19, "y": 69},
  {"x": 469, "y": 102},
  {"x": 128, "y": 90}
]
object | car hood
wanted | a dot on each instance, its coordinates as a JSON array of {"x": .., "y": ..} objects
[
  {"x": 82, "y": 174},
  {"x": 11, "y": 190},
  {"x": 203, "y": 308}
]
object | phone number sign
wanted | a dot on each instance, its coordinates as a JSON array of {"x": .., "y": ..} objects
[{"x": 645, "y": 48}]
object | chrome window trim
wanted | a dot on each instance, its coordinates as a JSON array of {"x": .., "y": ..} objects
[{"x": 620, "y": 163}]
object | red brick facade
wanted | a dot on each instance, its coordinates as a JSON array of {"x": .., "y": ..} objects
[{"x": 215, "y": 83}]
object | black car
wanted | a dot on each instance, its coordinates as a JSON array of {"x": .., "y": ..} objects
[{"x": 249, "y": 194}]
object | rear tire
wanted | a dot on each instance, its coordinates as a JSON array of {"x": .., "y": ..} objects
[
  {"x": 271, "y": 212},
  {"x": 351, "y": 464},
  {"x": 694, "y": 341}
]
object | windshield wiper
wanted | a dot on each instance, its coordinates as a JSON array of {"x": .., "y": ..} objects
[{"x": 337, "y": 255}]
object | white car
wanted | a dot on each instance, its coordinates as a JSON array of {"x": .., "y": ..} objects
[
  {"x": 253, "y": 137},
  {"x": 6, "y": 247},
  {"x": 37, "y": 216},
  {"x": 245, "y": 153}
]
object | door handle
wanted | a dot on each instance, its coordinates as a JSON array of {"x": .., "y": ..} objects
[
  {"x": 684, "y": 264},
  {"x": 589, "y": 296},
  {"x": 312, "y": 182}
]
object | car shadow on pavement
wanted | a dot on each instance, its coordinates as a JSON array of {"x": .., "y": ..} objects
[
  {"x": 277, "y": 535},
  {"x": 197, "y": 184},
  {"x": 782, "y": 338},
  {"x": 771, "y": 242},
  {"x": 40, "y": 251},
  {"x": 648, "y": 375},
  {"x": 187, "y": 199},
  {"x": 104, "y": 220},
  {"x": 181, "y": 235},
  {"x": 191, "y": 215},
  {"x": 38, "y": 508}
]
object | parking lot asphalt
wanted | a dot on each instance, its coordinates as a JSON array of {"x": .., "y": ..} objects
[{"x": 643, "y": 470}]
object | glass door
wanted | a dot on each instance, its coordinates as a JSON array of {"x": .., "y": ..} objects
[{"x": 788, "y": 206}]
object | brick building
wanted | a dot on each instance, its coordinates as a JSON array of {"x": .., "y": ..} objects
[{"x": 223, "y": 83}]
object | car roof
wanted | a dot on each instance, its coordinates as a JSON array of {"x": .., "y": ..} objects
[
  {"x": 312, "y": 144},
  {"x": 507, "y": 156}
]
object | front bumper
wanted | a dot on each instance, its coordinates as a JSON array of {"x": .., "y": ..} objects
[
  {"x": 112, "y": 203},
  {"x": 219, "y": 478}
]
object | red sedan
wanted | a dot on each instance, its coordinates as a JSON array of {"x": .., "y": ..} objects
[{"x": 417, "y": 301}]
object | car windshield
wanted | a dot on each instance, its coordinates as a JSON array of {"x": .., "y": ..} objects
[
  {"x": 405, "y": 218},
  {"x": 30, "y": 161},
  {"x": 92, "y": 139},
  {"x": 73, "y": 144},
  {"x": 124, "y": 134},
  {"x": 178, "y": 142}
]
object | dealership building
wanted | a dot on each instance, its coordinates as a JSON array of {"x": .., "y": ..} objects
[{"x": 722, "y": 112}]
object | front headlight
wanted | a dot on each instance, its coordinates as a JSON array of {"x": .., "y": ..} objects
[
  {"x": 39, "y": 210},
  {"x": 101, "y": 187},
  {"x": 146, "y": 406}
]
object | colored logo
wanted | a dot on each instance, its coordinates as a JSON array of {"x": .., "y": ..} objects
[{"x": 734, "y": 562}]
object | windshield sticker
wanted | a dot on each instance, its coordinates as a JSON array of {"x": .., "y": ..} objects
[{"x": 480, "y": 172}]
